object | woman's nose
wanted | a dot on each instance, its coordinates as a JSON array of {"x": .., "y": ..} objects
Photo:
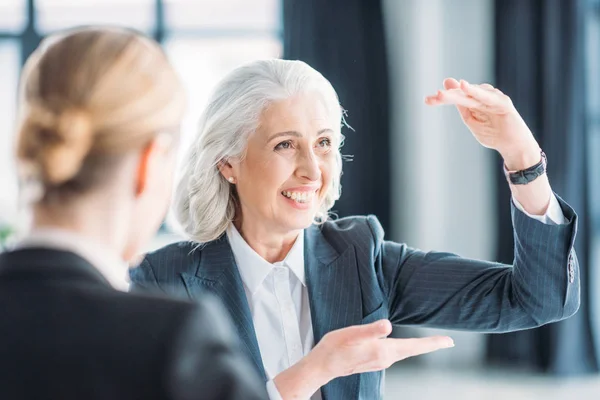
[{"x": 309, "y": 166}]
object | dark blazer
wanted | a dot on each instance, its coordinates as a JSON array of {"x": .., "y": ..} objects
[
  {"x": 66, "y": 334},
  {"x": 355, "y": 277}
]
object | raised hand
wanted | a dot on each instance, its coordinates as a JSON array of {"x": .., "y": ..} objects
[{"x": 492, "y": 118}]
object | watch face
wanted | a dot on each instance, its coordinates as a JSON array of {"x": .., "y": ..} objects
[{"x": 544, "y": 160}]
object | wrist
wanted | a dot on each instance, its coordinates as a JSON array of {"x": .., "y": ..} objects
[
  {"x": 302, "y": 379},
  {"x": 521, "y": 158}
]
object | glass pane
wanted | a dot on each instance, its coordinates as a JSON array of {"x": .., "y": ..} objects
[
  {"x": 232, "y": 15},
  {"x": 9, "y": 72},
  {"x": 12, "y": 15},
  {"x": 593, "y": 103},
  {"x": 592, "y": 76},
  {"x": 60, "y": 14},
  {"x": 203, "y": 62}
]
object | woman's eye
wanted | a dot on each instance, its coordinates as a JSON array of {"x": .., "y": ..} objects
[
  {"x": 284, "y": 145},
  {"x": 325, "y": 142}
]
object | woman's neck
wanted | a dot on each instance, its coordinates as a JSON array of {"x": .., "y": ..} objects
[
  {"x": 271, "y": 245},
  {"x": 97, "y": 223}
]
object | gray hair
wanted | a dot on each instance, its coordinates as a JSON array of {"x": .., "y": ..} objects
[{"x": 205, "y": 202}]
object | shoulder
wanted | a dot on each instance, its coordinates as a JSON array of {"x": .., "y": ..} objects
[
  {"x": 174, "y": 253},
  {"x": 160, "y": 317},
  {"x": 161, "y": 328},
  {"x": 162, "y": 268},
  {"x": 171, "y": 260},
  {"x": 361, "y": 231},
  {"x": 153, "y": 309}
]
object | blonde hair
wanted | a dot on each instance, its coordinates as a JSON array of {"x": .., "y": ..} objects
[
  {"x": 87, "y": 97},
  {"x": 204, "y": 202}
]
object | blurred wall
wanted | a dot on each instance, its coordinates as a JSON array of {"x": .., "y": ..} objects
[
  {"x": 442, "y": 181},
  {"x": 9, "y": 68}
]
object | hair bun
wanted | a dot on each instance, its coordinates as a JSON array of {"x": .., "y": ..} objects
[
  {"x": 63, "y": 160},
  {"x": 59, "y": 143}
]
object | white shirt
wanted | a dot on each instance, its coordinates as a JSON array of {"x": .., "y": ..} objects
[
  {"x": 278, "y": 299},
  {"x": 106, "y": 261}
]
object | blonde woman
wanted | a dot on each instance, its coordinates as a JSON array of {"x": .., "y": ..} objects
[
  {"x": 312, "y": 297},
  {"x": 99, "y": 123}
]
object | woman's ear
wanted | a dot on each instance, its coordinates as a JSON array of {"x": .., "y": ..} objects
[
  {"x": 226, "y": 169},
  {"x": 141, "y": 180},
  {"x": 148, "y": 161}
]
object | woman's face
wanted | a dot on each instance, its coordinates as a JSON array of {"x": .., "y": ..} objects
[{"x": 288, "y": 165}]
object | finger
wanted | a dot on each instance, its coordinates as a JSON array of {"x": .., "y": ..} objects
[
  {"x": 487, "y": 97},
  {"x": 451, "y": 83},
  {"x": 464, "y": 112},
  {"x": 404, "y": 348},
  {"x": 433, "y": 100},
  {"x": 453, "y": 97},
  {"x": 458, "y": 97},
  {"x": 375, "y": 330},
  {"x": 436, "y": 100},
  {"x": 490, "y": 88}
]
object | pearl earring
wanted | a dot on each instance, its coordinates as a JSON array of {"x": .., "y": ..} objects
[{"x": 231, "y": 179}]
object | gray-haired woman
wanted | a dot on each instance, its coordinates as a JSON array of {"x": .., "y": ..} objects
[{"x": 313, "y": 298}]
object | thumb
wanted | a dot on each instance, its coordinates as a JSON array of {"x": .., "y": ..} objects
[
  {"x": 375, "y": 330},
  {"x": 404, "y": 348},
  {"x": 451, "y": 83}
]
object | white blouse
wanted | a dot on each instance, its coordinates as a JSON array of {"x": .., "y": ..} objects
[{"x": 278, "y": 300}]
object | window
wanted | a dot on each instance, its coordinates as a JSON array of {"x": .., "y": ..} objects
[
  {"x": 592, "y": 53},
  {"x": 207, "y": 39},
  {"x": 202, "y": 62},
  {"x": 204, "y": 39},
  {"x": 230, "y": 17},
  {"x": 9, "y": 72},
  {"x": 53, "y": 15},
  {"x": 12, "y": 16}
]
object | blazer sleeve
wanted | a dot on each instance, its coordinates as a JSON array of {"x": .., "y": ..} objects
[
  {"x": 207, "y": 362},
  {"x": 443, "y": 290}
]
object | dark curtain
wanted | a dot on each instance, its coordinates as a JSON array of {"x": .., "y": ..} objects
[
  {"x": 344, "y": 40},
  {"x": 540, "y": 64}
]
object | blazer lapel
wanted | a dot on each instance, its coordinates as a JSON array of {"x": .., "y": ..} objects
[
  {"x": 334, "y": 297},
  {"x": 218, "y": 274}
]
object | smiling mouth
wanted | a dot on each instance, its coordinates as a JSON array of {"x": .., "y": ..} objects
[{"x": 300, "y": 197}]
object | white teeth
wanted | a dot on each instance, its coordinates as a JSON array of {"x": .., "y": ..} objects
[{"x": 300, "y": 197}]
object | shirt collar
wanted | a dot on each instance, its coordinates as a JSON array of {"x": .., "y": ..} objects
[
  {"x": 110, "y": 265},
  {"x": 254, "y": 269}
]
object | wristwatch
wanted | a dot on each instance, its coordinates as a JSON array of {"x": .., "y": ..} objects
[{"x": 525, "y": 176}]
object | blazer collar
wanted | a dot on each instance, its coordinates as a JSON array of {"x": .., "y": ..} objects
[
  {"x": 217, "y": 273},
  {"x": 333, "y": 283}
]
